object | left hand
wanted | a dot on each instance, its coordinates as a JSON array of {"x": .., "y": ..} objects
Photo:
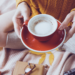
[
  {"x": 21, "y": 15},
  {"x": 64, "y": 25}
]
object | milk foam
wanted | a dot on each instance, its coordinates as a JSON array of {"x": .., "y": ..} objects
[{"x": 43, "y": 28}]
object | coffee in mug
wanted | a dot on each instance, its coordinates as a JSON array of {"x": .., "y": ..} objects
[{"x": 42, "y": 28}]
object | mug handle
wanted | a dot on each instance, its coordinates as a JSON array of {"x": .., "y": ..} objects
[{"x": 25, "y": 23}]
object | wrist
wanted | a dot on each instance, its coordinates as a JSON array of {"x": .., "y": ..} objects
[{"x": 24, "y": 6}]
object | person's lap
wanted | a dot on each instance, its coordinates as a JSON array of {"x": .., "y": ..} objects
[{"x": 6, "y": 25}]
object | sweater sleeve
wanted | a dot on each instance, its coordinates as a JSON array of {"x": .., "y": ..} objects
[
  {"x": 19, "y": 1},
  {"x": 73, "y": 9}
]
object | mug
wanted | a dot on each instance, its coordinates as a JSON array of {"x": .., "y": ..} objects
[{"x": 42, "y": 26}]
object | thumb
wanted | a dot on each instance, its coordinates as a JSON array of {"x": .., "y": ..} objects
[
  {"x": 64, "y": 24},
  {"x": 70, "y": 33},
  {"x": 25, "y": 16}
]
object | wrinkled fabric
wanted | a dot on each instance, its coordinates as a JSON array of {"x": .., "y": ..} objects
[{"x": 63, "y": 61}]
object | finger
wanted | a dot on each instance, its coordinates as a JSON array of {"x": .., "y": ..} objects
[
  {"x": 67, "y": 29},
  {"x": 17, "y": 24},
  {"x": 25, "y": 15},
  {"x": 64, "y": 24},
  {"x": 70, "y": 32}
]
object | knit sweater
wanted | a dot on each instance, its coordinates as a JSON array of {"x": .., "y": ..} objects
[{"x": 57, "y": 8}]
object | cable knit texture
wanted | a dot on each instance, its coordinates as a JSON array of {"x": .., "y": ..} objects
[{"x": 57, "y": 8}]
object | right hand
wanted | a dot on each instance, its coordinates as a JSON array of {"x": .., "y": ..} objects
[
  {"x": 22, "y": 14},
  {"x": 71, "y": 29}
]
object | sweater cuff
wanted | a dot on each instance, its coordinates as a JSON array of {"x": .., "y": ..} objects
[
  {"x": 19, "y": 1},
  {"x": 73, "y": 9}
]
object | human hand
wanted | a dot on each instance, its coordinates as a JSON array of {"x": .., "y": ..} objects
[
  {"x": 64, "y": 25},
  {"x": 21, "y": 15}
]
